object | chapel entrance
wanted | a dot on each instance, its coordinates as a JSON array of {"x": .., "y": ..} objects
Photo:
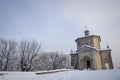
[
  {"x": 87, "y": 63},
  {"x": 107, "y": 66}
]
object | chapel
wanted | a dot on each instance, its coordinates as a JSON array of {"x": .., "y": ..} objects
[{"x": 89, "y": 54}]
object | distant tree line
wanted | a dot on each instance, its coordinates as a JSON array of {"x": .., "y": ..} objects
[{"x": 27, "y": 55}]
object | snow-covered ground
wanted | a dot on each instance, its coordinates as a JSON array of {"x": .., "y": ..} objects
[{"x": 66, "y": 75}]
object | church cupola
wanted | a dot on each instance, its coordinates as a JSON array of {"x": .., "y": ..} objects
[{"x": 87, "y": 32}]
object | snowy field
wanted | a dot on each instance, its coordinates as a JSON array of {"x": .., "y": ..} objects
[{"x": 65, "y": 75}]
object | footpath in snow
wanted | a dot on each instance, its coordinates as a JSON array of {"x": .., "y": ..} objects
[{"x": 64, "y": 75}]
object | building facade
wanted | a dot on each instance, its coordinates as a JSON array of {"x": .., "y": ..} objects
[{"x": 89, "y": 54}]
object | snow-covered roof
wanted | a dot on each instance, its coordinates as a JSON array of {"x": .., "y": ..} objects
[
  {"x": 87, "y": 46},
  {"x": 93, "y": 48},
  {"x": 74, "y": 52},
  {"x": 88, "y": 36},
  {"x": 104, "y": 49}
]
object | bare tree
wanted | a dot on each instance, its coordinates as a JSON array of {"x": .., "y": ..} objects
[
  {"x": 39, "y": 63},
  {"x": 28, "y": 54},
  {"x": 54, "y": 60},
  {"x": 7, "y": 54}
]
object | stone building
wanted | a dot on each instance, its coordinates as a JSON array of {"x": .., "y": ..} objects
[{"x": 89, "y": 54}]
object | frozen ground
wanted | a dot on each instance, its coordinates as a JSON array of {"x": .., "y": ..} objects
[{"x": 66, "y": 75}]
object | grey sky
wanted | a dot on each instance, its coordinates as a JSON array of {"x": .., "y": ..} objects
[{"x": 57, "y": 23}]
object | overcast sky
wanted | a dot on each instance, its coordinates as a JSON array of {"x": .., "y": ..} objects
[{"x": 57, "y": 23}]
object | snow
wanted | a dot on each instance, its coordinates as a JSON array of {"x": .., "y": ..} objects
[
  {"x": 66, "y": 75},
  {"x": 87, "y": 46},
  {"x": 51, "y": 71}
]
